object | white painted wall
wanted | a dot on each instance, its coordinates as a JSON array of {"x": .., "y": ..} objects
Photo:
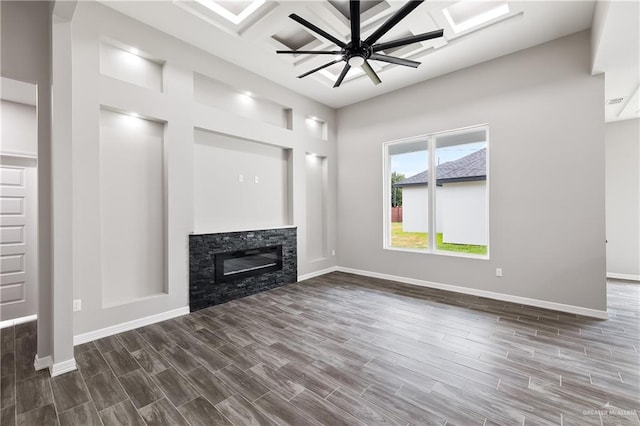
[
  {"x": 176, "y": 105},
  {"x": 18, "y": 128},
  {"x": 464, "y": 212},
  {"x": 546, "y": 167},
  {"x": 223, "y": 203},
  {"x": 623, "y": 199}
]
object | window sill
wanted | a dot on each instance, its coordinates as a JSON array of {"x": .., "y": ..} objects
[{"x": 439, "y": 253}]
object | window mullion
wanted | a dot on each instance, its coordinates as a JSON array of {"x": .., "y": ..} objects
[{"x": 431, "y": 187}]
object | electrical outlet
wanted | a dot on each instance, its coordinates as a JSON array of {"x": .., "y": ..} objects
[
  {"x": 240, "y": 178},
  {"x": 256, "y": 179},
  {"x": 77, "y": 305},
  {"x": 498, "y": 272},
  {"x": 333, "y": 252}
]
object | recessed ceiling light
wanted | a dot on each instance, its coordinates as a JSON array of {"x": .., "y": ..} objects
[
  {"x": 467, "y": 14},
  {"x": 227, "y": 14}
]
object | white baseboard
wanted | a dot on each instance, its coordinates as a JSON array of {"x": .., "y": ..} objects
[
  {"x": 129, "y": 325},
  {"x": 63, "y": 367},
  {"x": 617, "y": 276},
  {"x": 16, "y": 321},
  {"x": 317, "y": 273},
  {"x": 579, "y": 310},
  {"x": 42, "y": 363}
]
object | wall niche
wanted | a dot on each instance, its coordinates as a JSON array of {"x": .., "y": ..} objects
[
  {"x": 214, "y": 93},
  {"x": 239, "y": 184},
  {"x": 132, "y": 206},
  {"x": 128, "y": 64}
]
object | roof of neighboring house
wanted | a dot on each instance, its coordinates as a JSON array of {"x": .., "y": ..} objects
[{"x": 472, "y": 167}]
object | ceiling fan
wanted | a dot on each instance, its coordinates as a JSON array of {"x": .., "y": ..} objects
[{"x": 358, "y": 52}]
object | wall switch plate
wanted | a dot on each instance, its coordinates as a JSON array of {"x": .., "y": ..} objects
[
  {"x": 77, "y": 305},
  {"x": 240, "y": 178},
  {"x": 498, "y": 272},
  {"x": 333, "y": 252}
]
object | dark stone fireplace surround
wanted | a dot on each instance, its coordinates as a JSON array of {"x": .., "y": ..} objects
[{"x": 204, "y": 291}]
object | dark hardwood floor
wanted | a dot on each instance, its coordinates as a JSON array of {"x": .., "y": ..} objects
[{"x": 342, "y": 349}]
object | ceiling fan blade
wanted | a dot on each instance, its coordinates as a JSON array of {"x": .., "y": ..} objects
[
  {"x": 391, "y": 22},
  {"x": 343, "y": 74},
  {"x": 317, "y": 30},
  {"x": 354, "y": 8},
  {"x": 319, "y": 68},
  {"x": 371, "y": 73},
  {"x": 311, "y": 52},
  {"x": 394, "y": 60},
  {"x": 407, "y": 40}
]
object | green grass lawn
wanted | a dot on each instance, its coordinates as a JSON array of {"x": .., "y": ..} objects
[{"x": 419, "y": 240}]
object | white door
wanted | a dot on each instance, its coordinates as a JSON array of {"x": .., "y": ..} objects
[{"x": 18, "y": 251}]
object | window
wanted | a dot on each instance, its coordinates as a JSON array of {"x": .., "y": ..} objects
[{"x": 450, "y": 217}]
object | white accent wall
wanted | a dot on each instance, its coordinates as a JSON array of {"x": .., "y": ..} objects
[
  {"x": 183, "y": 163},
  {"x": 623, "y": 199},
  {"x": 544, "y": 111}
]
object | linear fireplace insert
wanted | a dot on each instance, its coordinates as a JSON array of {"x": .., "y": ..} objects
[{"x": 234, "y": 265}]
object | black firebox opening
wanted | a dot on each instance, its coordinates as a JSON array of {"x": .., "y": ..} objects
[{"x": 239, "y": 264}]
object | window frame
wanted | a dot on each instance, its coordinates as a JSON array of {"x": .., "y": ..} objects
[{"x": 430, "y": 138}]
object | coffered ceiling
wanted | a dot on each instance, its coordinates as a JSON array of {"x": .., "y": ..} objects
[{"x": 248, "y": 32}]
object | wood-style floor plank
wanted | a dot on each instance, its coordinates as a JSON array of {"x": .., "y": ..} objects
[{"x": 343, "y": 349}]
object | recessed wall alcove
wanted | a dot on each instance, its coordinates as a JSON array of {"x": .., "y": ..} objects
[
  {"x": 128, "y": 64},
  {"x": 242, "y": 102},
  {"x": 132, "y": 208},
  {"x": 239, "y": 184}
]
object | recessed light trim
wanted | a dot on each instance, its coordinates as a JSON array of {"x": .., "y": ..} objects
[
  {"x": 467, "y": 14},
  {"x": 229, "y": 16}
]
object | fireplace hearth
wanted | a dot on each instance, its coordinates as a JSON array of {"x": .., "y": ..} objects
[{"x": 230, "y": 265}]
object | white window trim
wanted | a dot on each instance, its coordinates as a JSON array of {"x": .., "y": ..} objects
[{"x": 430, "y": 138}]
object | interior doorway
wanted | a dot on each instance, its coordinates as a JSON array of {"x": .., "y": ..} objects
[{"x": 18, "y": 201}]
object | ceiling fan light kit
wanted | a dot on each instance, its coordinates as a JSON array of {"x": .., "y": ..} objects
[{"x": 358, "y": 52}]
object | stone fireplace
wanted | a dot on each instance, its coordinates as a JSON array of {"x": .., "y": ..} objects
[{"x": 229, "y": 265}]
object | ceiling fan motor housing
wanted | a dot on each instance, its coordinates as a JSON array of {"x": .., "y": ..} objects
[{"x": 356, "y": 55}]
